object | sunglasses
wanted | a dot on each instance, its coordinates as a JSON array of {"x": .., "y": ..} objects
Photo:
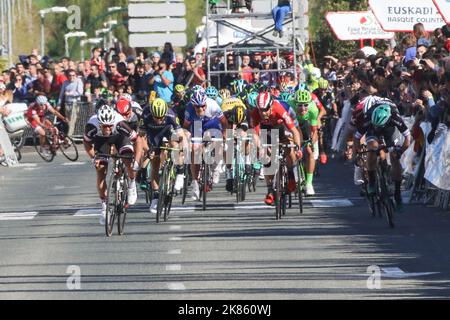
[
  {"x": 200, "y": 107},
  {"x": 108, "y": 126},
  {"x": 303, "y": 105},
  {"x": 112, "y": 67}
]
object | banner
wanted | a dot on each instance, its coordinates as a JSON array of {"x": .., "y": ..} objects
[
  {"x": 437, "y": 161},
  {"x": 443, "y": 7},
  {"x": 402, "y": 15},
  {"x": 353, "y": 25}
]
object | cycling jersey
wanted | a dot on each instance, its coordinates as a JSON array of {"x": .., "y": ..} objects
[
  {"x": 230, "y": 103},
  {"x": 278, "y": 116},
  {"x": 326, "y": 100},
  {"x": 156, "y": 132},
  {"x": 387, "y": 132},
  {"x": 312, "y": 116},
  {"x": 290, "y": 110},
  {"x": 36, "y": 110},
  {"x": 212, "y": 111},
  {"x": 317, "y": 101},
  {"x": 179, "y": 107}
]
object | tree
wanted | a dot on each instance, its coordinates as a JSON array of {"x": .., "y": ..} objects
[{"x": 322, "y": 37}]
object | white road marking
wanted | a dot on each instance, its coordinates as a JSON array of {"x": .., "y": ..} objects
[
  {"x": 27, "y": 165},
  {"x": 88, "y": 213},
  {"x": 11, "y": 216},
  {"x": 64, "y": 187},
  {"x": 175, "y": 239},
  {"x": 176, "y": 286},
  {"x": 175, "y": 228},
  {"x": 182, "y": 208},
  {"x": 175, "y": 251},
  {"x": 254, "y": 207},
  {"x": 173, "y": 267},
  {"x": 332, "y": 203},
  {"x": 69, "y": 164},
  {"x": 31, "y": 169}
]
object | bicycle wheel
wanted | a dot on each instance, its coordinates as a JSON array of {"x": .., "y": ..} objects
[
  {"x": 69, "y": 149},
  {"x": 19, "y": 141},
  {"x": 301, "y": 179},
  {"x": 283, "y": 193},
  {"x": 47, "y": 156},
  {"x": 186, "y": 183},
  {"x": 170, "y": 192},
  {"x": 162, "y": 193},
  {"x": 243, "y": 185},
  {"x": 206, "y": 174},
  {"x": 123, "y": 203},
  {"x": 111, "y": 206},
  {"x": 237, "y": 180},
  {"x": 278, "y": 203},
  {"x": 386, "y": 197}
]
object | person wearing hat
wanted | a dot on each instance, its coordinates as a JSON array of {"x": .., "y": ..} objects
[{"x": 156, "y": 57}]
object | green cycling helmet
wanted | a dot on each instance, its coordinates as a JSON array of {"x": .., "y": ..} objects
[
  {"x": 303, "y": 96},
  {"x": 251, "y": 99},
  {"x": 323, "y": 84},
  {"x": 381, "y": 115}
]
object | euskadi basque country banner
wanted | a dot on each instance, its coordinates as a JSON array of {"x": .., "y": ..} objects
[{"x": 402, "y": 15}]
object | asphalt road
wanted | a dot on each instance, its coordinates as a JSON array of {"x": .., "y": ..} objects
[{"x": 52, "y": 246}]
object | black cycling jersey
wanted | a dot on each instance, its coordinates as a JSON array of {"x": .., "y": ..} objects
[{"x": 152, "y": 128}]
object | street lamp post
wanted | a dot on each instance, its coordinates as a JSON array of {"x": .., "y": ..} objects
[
  {"x": 42, "y": 14},
  {"x": 110, "y": 23},
  {"x": 79, "y": 34},
  {"x": 103, "y": 32}
]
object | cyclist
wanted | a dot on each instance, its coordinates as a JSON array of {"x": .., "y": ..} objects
[
  {"x": 213, "y": 94},
  {"x": 131, "y": 115},
  {"x": 307, "y": 115},
  {"x": 237, "y": 87},
  {"x": 179, "y": 101},
  {"x": 224, "y": 94},
  {"x": 236, "y": 114},
  {"x": 271, "y": 115},
  {"x": 202, "y": 114},
  {"x": 36, "y": 116},
  {"x": 383, "y": 124},
  {"x": 161, "y": 125},
  {"x": 103, "y": 131}
]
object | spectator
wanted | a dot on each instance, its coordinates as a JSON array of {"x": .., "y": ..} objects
[
  {"x": 163, "y": 82},
  {"x": 148, "y": 67},
  {"x": 59, "y": 77},
  {"x": 131, "y": 69},
  {"x": 168, "y": 54},
  {"x": 141, "y": 81},
  {"x": 278, "y": 14},
  {"x": 246, "y": 69},
  {"x": 115, "y": 77},
  {"x": 6, "y": 97},
  {"x": 19, "y": 90},
  {"x": 71, "y": 90},
  {"x": 177, "y": 68},
  {"x": 98, "y": 60},
  {"x": 66, "y": 63},
  {"x": 41, "y": 86},
  {"x": 267, "y": 77},
  {"x": 231, "y": 65},
  {"x": 156, "y": 57},
  {"x": 97, "y": 79},
  {"x": 122, "y": 64},
  {"x": 199, "y": 77},
  {"x": 217, "y": 65}
]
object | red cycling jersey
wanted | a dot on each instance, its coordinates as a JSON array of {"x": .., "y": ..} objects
[
  {"x": 36, "y": 110},
  {"x": 278, "y": 116}
]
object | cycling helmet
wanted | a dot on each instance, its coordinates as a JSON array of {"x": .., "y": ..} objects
[
  {"x": 179, "y": 88},
  {"x": 212, "y": 93},
  {"x": 323, "y": 84},
  {"x": 123, "y": 106},
  {"x": 369, "y": 102},
  {"x": 106, "y": 115},
  {"x": 302, "y": 86},
  {"x": 41, "y": 100},
  {"x": 316, "y": 73},
  {"x": 264, "y": 101},
  {"x": 225, "y": 93},
  {"x": 199, "y": 98},
  {"x": 243, "y": 96},
  {"x": 303, "y": 97},
  {"x": 381, "y": 115},
  {"x": 285, "y": 96},
  {"x": 238, "y": 86},
  {"x": 159, "y": 108},
  {"x": 251, "y": 99},
  {"x": 197, "y": 88},
  {"x": 127, "y": 97},
  {"x": 238, "y": 115}
]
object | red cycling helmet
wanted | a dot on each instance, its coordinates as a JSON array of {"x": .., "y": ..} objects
[
  {"x": 264, "y": 101},
  {"x": 123, "y": 107}
]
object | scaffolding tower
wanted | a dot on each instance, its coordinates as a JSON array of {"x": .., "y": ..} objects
[{"x": 254, "y": 28}]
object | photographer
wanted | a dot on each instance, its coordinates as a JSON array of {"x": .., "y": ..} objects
[{"x": 97, "y": 59}]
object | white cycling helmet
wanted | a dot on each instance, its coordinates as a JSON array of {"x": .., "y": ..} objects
[
  {"x": 106, "y": 115},
  {"x": 369, "y": 102},
  {"x": 41, "y": 100},
  {"x": 316, "y": 73},
  {"x": 127, "y": 97}
]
